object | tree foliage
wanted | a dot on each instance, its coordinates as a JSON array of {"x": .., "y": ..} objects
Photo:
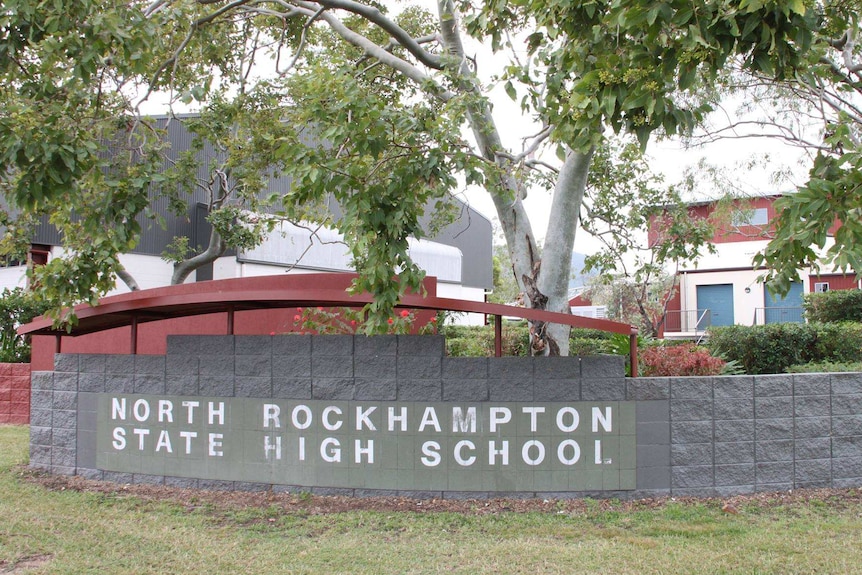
[{"x": 376, "y": 102}]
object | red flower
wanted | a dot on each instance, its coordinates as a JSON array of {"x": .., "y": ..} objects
[
  {"x": 405, "y": 313},
  {"x": 297, "y": 317},
  {"x": 299, "y": 309},
  {"x": 319, "y": 308},
  {"x": 390, "y": 321},
  {"x": 272, "y": 333},
  {"x": 433, "y": 320},
  {"x": 353, "y": 322}
]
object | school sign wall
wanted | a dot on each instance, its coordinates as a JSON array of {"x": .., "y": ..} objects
[{"x": 384, "y": 415}]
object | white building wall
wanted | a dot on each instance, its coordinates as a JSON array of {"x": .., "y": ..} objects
[{"x": 12, "y": 277}]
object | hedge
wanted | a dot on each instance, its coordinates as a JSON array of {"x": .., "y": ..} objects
[
  {"x": 773, "y": 348},
  {"x": 833, "y": 306},
  {"x": 478, "y": 341}
]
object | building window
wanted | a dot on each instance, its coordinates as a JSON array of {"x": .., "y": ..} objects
[
  {"x": 752, "y": 217},
  {"x": 821, "y": 287}
]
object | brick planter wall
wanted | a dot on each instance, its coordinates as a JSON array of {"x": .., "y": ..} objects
[{"x": 15, "y": 393}]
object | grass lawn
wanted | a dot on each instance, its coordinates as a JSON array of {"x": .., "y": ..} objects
[{"x": 58, "y": 531}]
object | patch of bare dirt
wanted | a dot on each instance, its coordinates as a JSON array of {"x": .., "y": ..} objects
[
  {"x": 318, "y": 505},
  {"x": 23, "y": 564}
]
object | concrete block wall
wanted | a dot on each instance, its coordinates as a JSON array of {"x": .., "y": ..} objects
[
  {"x": 15, "y": 393},
  {"x": 695, "y": 436}
]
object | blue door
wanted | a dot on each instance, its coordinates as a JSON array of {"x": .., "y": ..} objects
[
  {"x": 783, "y": 309},
  {"x": 718, "y": 299}
]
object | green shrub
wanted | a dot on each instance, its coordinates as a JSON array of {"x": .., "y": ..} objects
[
  {"x": 478, "y": 341},
  {"x": 825, "y": 367},
  {"x": 773, "y": 348},
  {"x": 833, "y": 306},
  {"x": 17, "y": 307}
]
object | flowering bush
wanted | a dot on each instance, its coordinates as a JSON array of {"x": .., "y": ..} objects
[{"x": 679, "y": 360}]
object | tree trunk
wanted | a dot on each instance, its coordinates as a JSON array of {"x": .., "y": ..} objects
[
  {"x": 215, "y": 250},
  {"x": 128, "y": 279}
]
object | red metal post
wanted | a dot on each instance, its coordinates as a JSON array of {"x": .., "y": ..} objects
[
  {"x": 134, "y": 335},
  {"x": 498, "y": 336},
  {"x": 633, "y": 353}
]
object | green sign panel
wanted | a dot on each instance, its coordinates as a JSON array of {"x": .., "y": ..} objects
[{"x": 554, "y": 446}]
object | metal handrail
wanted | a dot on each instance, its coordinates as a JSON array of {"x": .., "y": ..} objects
[{"x": 271, "y": 292}]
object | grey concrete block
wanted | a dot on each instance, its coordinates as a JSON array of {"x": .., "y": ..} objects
[
  {"x": 91, "y": 363},
  {"x": 65, "y": 438},
  {"x": 738, "y": 408},
  {"x": 181, "y": 364},
  {"x": 291, "y": 344},
  {"x": 181, "y": 385},
  {"x": 774, "y": 472},
  {"x": 183, "y": 345},
  {"x": 465, "y": 389},
  {"x": 820, "y": 484},
  {"x": 722, "y": 491},
  {"x": 331, "y": 367},
  {"x": 63, "y": 418},
  {"x": 701, "y": 492},
  {"x": 425, "y": 495},
  {"x": 420, "y": 367},
  {"x": 40, "y": 435},
  {"x": 215, "y": 485},
  {"x": 65, "y": 381},
  {"x": 602, "y": 366},
  {"x": 556, "y": 389},
  {"x": 291, "y": 387},
  {"x": 123, "y": 364},
  {"x": 146, "y": 479},
  {"x": 653, "y": 478},
  {"x": 814, "y": 448},
  {"x": 215, "y": 385},
  {"x": 420, "y": 390},
  {"x": 691, "y": 454},
  {"x": 42, "y": 380},
  {"x": 149, "y": 364},
  {"x": 115, "y": 383},
  {"x": 608, "y": 389},
  {"x": 510, "y": 390},
  {"x": 216, "y": 345},
  {"x": 691, "y": 409},
  {"x": 846, "y": 404},
  {"x": 734, "y": 430},
  {"x": 371, "y": 366},
  {"x": 778, "y": 450},
  {"x": 847, "y": 425},
  {"x": 63, "y": 456},
  {"x": 251, "y": 487},
  {"x": 691, "y": 388},
  {"x": 253, "y": 366},
  {"x": 291, "y": 366},
  {"x": 843, "y": 447},
  {"x": 468, "y": 495},
  {"x": 558, "y": 368},
  {"x": 653, "y": 433},
  {"x": 375, "y": 346},
  {"x": 647, "y": 388},
  {"x": 813, "y": 427},
  {"x": 42, "y": 399},
  {"x": 846, "y": 383},
  {"x": 773, "y": 407},
  {"x": 812, "y": 406},
  {"x": 91, "y": 382},
  {"x": 216, "y": 365},
  {"x": 692, "y": 476},
  {"x": 332, "y": 345},
  {"x": 433, "y": 345},
  {"x": 653, "y": 456},
  {"x": 510, "y": 368},
  {"x": 91, "y": 474},
  {"x": 66, "y": 362},
  {"x": 773, "y": 385},
  {"x": 652, "y": 411},
  {"x": 63, "y": 470},
  {"x": 332, "y": 388},
  {"x": 766, "y": 429},
  {"x": 65, "y": 400},
  {"x": 846, "y": 483},
  {"x": 733, "y": 387},
  {"x": 253, "y": 345},
  {"x": 741, "y": 474},
  {"x": 376, "y": 389},
  {"x": 40, "y": 456},
  {"x": 181, "y": 482},
  {"x": 151, "y": 384},
  {"x": 41, "y": 417},
  {"x": 691, "y": 431},
  {"x": 813, "y": 470},
  {"x": 117, "y": 477},
  {"x": 812, "y": 384},
  {"x": 465, "y": 368},
  {"x": 847, "y": 467},
  {"x": 253, "y": 387}
]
